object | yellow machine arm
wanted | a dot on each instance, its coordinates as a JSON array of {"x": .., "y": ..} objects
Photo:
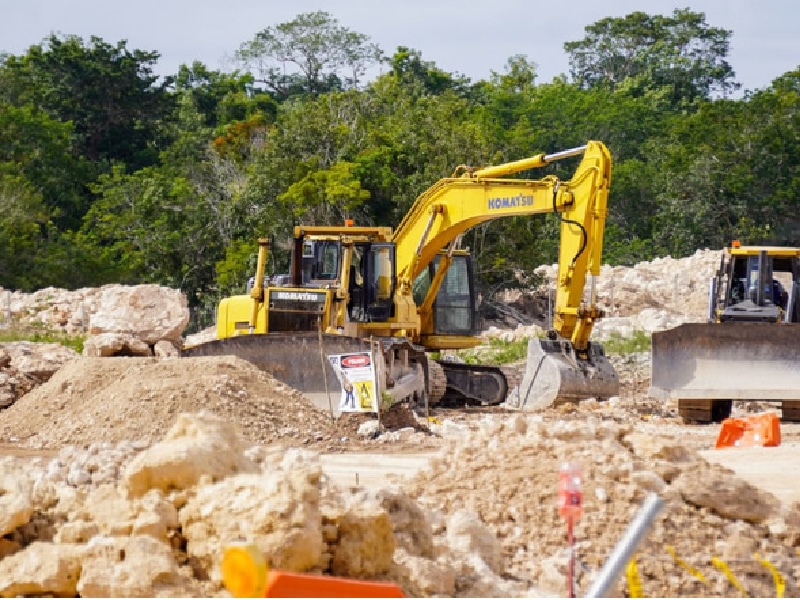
[{"x": 453, "y": 205}]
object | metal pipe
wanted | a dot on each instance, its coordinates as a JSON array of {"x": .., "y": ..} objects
[
  {"x": 613, "y": 313},
  {"x": 712, "y": 300},
  {"x": 788, "y": 316},
  {"x": 763, "y": 281},
  {"x": 626, "y": 547}
]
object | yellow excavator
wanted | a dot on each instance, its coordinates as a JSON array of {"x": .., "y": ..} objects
[
  {"x": 411, "y": 291},
  {"x": 749, "y": 348}
]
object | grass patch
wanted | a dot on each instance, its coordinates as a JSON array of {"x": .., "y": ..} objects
[
  {"x": 495, "y": 352},
  {"x": 616, "y": 344},
  {"x": 498, "y": 352},
  {"x": 42, "y": 336}
]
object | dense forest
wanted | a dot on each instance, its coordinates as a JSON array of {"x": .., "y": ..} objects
[{"x": 110, "y": 174}]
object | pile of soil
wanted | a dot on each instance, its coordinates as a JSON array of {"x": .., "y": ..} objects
[{"x": 97, "y": 400}]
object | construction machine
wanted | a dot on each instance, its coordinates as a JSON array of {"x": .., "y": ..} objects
[
  {"x": 749, "y": 348},
  {"x": 409, "y": 292}
]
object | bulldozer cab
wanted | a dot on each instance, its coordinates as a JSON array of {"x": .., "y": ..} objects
[
  {"x": 758, "y": 284},
  {"x": 365, "y": 268},
  {"x": 321, "y": 260}
]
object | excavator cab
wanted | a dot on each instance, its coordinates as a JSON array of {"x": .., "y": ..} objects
[{"x": 455, "y": 306}]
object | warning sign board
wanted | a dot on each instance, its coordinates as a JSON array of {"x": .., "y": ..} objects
[{"x": 356, "y": 374}]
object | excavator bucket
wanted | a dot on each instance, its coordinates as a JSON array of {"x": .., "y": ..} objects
[
  {"x": 726, "y": 361},
  {"x": 555, "y": 374}
]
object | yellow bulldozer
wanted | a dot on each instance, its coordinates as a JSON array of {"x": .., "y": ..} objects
[
  {"x": 750, "y": 347},
  {"x": 411, "y": 291}
]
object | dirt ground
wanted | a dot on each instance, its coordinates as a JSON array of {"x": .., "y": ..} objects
[{"x": 112, "y": 400}]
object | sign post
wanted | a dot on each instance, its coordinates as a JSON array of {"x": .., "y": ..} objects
[{"x": 570, "y": 505}]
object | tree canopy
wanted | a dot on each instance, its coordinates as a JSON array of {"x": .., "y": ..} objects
[{"x": 110, "y": 174}]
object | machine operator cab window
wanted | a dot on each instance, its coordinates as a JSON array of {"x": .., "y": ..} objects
[
  {"x": 355, "y": 283},
  {"x": 372, "y": 282},
  {"x": 320, "y": 260},
  {"x": 745, "y": 282},
  {"x": 454, "y": 307}
]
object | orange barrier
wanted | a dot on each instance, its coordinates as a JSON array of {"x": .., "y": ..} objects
[
  {"x": 245, "y": 575},
  {"x": 746, "y": 432},
  {"x": 294, "y": 585}
]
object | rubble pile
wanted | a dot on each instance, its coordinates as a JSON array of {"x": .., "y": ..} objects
[
  {"x": 161, "y": 524},
  {"x": 113, "y": 400},
  {"x": 709, "y": 511},
  {"x": 159, "y": 529},
  {"x": 650, "y": 296}
]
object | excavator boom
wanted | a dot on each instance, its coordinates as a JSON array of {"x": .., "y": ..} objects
[{"x": 569, "y": 367}]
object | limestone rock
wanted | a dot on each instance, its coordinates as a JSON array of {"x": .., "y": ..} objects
[
  {"x": 467, "y": 534},
  {"x": 150, "y": 312},
  {"x": 365, "y": 544},
  {"x": 198, "y": 445},
  {"x": 115, "y": 344},
  {"x": 41, "y": 569},
  {"x": 16, "y": 497},
  {"x": 424, "y": 577},
  {"x": 278, "y": 511},
  {"x": 726, "y": 495},
  {"x": 38, "y": 360},
  {"x": 132, "y": 567}
]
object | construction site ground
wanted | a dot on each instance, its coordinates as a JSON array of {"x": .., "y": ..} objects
[{"x": 112, "y": 400}]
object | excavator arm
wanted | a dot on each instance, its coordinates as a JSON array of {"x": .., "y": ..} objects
[{"x": 454, "y": 205}]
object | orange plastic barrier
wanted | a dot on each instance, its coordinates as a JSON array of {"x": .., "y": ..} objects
[
  {"x": 245, "y": 575},
  {"x": 746, "y": 432},
  {"x": 294, "y": 585}
]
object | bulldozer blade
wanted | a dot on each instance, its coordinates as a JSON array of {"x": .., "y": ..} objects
[
  {"x": 294, "y": 359},
  {"x": 554, "y": 374},
  {"x": 730, "y": 361}
]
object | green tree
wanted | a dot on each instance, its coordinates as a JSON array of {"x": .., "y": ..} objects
[
  {"x": 325, "y": 197},
  {"x": 223, "y": 98},
  {"x": 108, "y": 92},
  {"x": 38, "y": 148},
  {"x": 680, "y": 52},
  {"x": 311, "y": 54},
  {"x": 422, "y": 77},
  {"x": 150, "y": 225}
]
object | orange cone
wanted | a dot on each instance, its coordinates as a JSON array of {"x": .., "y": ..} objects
[{"x": 746, "y": 432}]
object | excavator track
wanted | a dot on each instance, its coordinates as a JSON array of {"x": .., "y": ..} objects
[
  {"x": 472, "y": 385},
  {"x": 437, "y": 382}
]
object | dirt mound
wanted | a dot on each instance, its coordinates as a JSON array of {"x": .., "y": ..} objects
[
  {"x": 708, "y": 511},
  {"x": 92, "y": 400}
]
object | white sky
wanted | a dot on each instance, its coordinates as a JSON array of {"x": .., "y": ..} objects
[{"x": 464, "y": 36}]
